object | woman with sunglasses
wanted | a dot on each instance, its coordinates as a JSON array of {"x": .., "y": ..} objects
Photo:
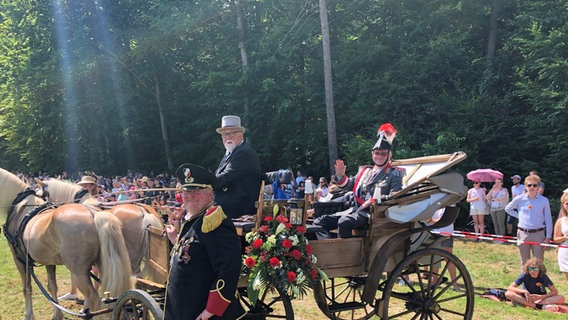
[
  {"x": 535, "y": 283},
  {"x": 561, "y": 234},
  {"x": 477, "y": 206},
  {"x": 535, "y": 221}
]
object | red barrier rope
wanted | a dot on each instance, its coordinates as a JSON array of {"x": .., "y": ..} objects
[{"x": 496, "y": 238}]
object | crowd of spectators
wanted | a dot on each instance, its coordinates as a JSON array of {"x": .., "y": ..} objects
[{"x": 130, "y": 186}]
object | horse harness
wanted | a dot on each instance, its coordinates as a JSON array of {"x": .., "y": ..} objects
[{"x": 15, "y": 240}]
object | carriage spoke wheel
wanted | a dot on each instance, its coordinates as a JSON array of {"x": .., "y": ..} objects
[
  {"x": 271, "y": 304},
  {"x": 428, "y": 291},
  {"x": 341, "y": 298},
  {"x": 136, "y": 305}
]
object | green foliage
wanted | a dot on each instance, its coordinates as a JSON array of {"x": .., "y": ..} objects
[{"x": 84, "y": 85}]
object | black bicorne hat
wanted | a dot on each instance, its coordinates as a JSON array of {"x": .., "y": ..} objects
[{"x": 192, "y": 176}]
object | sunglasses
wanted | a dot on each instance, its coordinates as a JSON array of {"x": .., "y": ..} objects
[
  {"x": 381, "y": 153},
  {"x": 477, "y": 183},
  {"x": 532, "y": 268},
  {"x": 532, "y": 185}
]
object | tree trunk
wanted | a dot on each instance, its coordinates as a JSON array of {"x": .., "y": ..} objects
[
  {"x": 330, "y": 112},
  {"x": 242, "y": 47},
  {"x": 165, "y": 139},
  {"x": 492, "y": 39}
]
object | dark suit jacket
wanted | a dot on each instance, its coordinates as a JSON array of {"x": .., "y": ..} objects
[{"x": 238, "y": 181}]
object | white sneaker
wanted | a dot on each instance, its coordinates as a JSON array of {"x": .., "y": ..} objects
[
  {"x": 68, "y": 296},
  {"x": 550, "y": 307}
]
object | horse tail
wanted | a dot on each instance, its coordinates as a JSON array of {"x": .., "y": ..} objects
[
  {"x": 115, "y": 273},
  {"x": 149, "y": 220}
]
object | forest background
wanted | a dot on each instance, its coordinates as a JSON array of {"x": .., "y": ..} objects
[{"x": 142, "y": 85}]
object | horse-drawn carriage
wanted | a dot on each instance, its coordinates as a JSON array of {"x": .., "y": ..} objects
[{"x": 392, "y": 269}]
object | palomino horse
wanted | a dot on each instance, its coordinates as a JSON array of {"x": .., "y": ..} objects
[
  {"x": 70, "y": 235},
  {"x": 135, "y": 219}
]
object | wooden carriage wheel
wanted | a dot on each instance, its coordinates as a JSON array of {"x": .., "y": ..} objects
[
  {"x": 428, "y": 291},
  {"x": 136, "y": 305},
  {"x": 341, "y": 298},
  {"x": 271, "y": 304}
]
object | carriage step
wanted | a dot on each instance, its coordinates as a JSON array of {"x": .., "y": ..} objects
[{"x": 339, "y": 307}]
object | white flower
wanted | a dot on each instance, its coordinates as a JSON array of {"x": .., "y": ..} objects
[
  {"x": 271, "y": 241},
  {"x": 314, "y": 259},
  {"x": 294, "y": 239},
  {"x": 250, "y": 236},
  {"x": 300, "y": 277}
]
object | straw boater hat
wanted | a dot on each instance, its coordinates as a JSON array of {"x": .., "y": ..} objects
[
  {"x": 87, "y": 180},
  {"x": 232, "y": 123}
]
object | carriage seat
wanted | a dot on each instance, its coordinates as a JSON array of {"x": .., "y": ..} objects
[{"x": 244, "y": 224}]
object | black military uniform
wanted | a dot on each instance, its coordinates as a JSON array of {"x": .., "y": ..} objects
[{"x": 206, "y": 260}]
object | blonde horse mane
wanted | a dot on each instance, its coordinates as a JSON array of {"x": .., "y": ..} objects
[
  {"x": 65, "y": 191},
  {"x": 11, "y": 185},
  {"x": 62, "y": 191}
]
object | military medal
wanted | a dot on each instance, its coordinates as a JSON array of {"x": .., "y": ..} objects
[
  {"x": 185, "y": 256},
  {"x": 184, "y": 251}
]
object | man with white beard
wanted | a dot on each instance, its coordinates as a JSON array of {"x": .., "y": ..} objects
[{"x": 238, "y": 174}]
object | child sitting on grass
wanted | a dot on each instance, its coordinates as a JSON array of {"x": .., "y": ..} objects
[{"x": 535, "y": 282}]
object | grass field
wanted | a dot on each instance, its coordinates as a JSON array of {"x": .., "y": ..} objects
[{"x": 490, "y": 265}]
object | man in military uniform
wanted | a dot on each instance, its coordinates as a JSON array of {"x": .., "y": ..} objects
[
  {"x": 206, "y": 257},
  {"x": 380, "y": 179}
]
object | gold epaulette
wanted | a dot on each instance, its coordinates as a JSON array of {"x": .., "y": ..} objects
[{"x": 212, "y": 219}]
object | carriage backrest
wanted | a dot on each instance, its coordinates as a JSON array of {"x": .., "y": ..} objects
[{"x": 427, "y": 187}]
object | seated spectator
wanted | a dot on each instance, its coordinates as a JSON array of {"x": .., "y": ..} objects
[
  {"x": 323, "y": 188},
  {"x": 535, "y": 282}
]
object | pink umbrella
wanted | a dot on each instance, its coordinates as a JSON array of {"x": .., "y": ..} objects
[{"x": 484, "y": 175}]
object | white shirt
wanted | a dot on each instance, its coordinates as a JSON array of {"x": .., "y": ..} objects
[{"x": 517, "y": 190}]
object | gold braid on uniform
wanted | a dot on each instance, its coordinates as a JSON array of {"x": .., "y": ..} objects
[{"x": 212, "y": 219}]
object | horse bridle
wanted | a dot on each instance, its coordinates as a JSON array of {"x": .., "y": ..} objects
[{"x": 15, "y": 240}]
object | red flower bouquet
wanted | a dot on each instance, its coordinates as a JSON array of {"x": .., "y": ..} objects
[{"x": 279, "y": 256}]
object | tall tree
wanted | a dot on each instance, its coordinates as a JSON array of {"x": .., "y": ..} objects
[{"x": 328, "y": 80}]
